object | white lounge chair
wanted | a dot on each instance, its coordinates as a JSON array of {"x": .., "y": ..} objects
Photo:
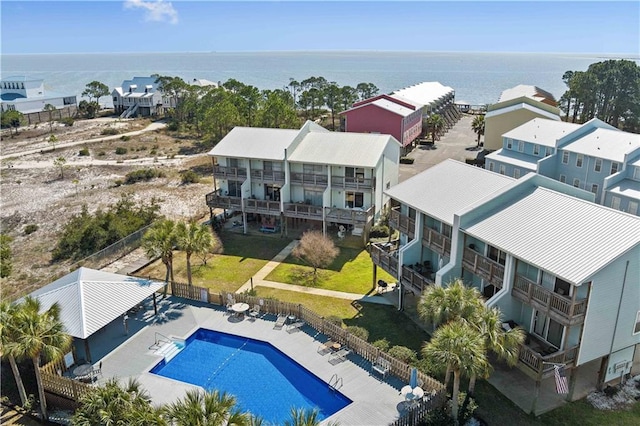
[
  {"x": 339, "y": 356},
  {"x": 381, "y": 366},
  {"x": 295, "y": 326},
  {"x": 280, "y": 321},
  {"x": 255, "y": 312}
]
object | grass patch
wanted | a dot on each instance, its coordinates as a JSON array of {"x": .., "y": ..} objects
[
  {"x": 242, "y": 256},
  {"x": 351, "y": 271},
  {"x": 382, "y": 321}
]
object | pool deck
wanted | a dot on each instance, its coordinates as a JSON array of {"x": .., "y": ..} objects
[{"x": 375, "y": 402}]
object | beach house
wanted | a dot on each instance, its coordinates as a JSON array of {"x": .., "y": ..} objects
[
  {"x": 139, "y": 96},
  {"x": 593, "y": 156},
  {"x": 560, "y": 266},
  {"x": 515, "y": 107},
  {"x": 303, "y": 179},
  {"x": 435, "y": 98},
  {"x": 386, "y": 114},
  {"x": 28, "y": 95}
]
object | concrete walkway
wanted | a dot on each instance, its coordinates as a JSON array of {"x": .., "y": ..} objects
[{"x": 259, "y": 280}]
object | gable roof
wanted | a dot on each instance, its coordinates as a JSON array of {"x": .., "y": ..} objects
[
  {"x": 447, "y": 188},
  {"x": 90, "y": 299},
  {"x": 338, "y": 148},
  {"x": 426, "y": 93},
  {"x": 542, "y": 131},
  {"x": 523, "y": 103},
  {"x": 533, "y": 92},
  {"x": 607, "y": 144},
  {"x": 569, "y": 237},
  {"x": 255, "y": 143}
]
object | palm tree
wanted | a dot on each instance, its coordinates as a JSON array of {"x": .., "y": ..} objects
[
  {"x": 193, "y": 238},
  {"x": 8, "y": 336},
  {"x": 160, "y": 241},
  {"x": 478, "y": 127},
  {"x": 207, "y": 408},
  {"x": 302, "y": 417},
  {"x": 41, "y": 334},
  {"x": 435, "y": 124},
  {"x": 114, "y": 404},
  {"x": 457, "y": 346},
  {"x": 50, "y": 108}
]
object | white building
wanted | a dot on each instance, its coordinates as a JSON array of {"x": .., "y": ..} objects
[
  {"x": 28, "y": 95},
  {"x": 139, "y": 96}
]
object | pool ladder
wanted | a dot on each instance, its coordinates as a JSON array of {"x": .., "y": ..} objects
[
  {"x": 160, "y": 338},
  {"x": 333, "y": 382}
]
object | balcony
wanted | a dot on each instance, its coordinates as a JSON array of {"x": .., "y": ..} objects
[
  {"x": 357, "y": 183},
  {"x": 414, "y": 280},
  {"x": 261, "y": 206},
  {"x": 385, "y": 255},
  {"x": 436, "y": 241},
  {"x": 402, "y": 223},
  {"x": 349, "y": 216},
  {"x": 223, "y": 202},
  {"x": 482, "y": 266},
  {"x": 309, "y": 180},
  {"x": 303, "y": 211},
  {"x": 531, "y": 357},
  {"x": 565, "y": 310},
  {"x": 223, "y": 172},
  {"x": 267, "y": 176}
]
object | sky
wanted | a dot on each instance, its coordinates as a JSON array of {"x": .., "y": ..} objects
[{"x": 29, "y": 27}]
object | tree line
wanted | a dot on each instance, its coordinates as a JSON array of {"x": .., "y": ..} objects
[{"x": 213, "y": 111}]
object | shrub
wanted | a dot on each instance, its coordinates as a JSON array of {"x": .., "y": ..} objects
[
  {"x": 153, "y": 152},
  {"x": 101, "y": 154},
  {"x": 142, "y": 175},
  {"x": 382, "y": 344},
  {"x": 189, "y": 176},
  {"x": 125, "y": 138},
  {"x": 360, "y": 332},
  {"x": 121, "y": 150},
  {"x": 379, "y": 231},
  {"x": 334, "y": 319},
  {"x": 30, "y": 229},
  {"x": 84, "y": 152},
  {"x": 404, "y": 354},
  {"x": 173, "y": 126},
  {"x": 67, "y": 121},
  {"x": 118, "y": 182},
  {"x": 406, "y": 160},
  {"x": 109, "y": 131}
]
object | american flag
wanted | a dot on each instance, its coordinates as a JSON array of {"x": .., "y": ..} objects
[{"x": 561, "y": 379}]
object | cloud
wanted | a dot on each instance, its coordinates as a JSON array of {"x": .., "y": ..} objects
[{"x": 154, "y": 10}]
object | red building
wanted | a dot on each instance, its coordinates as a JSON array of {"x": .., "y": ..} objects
[{"x": 385, "y": 114}]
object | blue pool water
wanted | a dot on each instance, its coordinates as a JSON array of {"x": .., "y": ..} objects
[{"x": 264, "y": 381}]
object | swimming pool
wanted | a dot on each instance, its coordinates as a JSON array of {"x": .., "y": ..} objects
[{"x": 264, "y": 380}]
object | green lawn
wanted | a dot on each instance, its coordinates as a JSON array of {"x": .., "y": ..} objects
[
  {"x": 351, "y": 271},
  {"x": 242, "y": 256}
]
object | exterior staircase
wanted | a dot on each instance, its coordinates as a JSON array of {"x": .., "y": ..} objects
[{"x": 129, "y": 111}]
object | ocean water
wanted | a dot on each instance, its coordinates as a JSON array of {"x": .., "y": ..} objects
[{"x": 477, "y": 78}]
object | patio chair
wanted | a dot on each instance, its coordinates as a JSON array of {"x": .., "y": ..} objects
[
  {"x": 326, "y": 347},
  {"x": 255, "y": 312},
  {"x": 339, "y": 356},
  {"x": 295, "y": 326},
  {"x": 381, "y": 366},
  {"x": 280, "y": 321},
  {"x": 97, "y": 371}
]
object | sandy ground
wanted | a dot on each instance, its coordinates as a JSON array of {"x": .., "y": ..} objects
[{"x": 33, "y": 192}]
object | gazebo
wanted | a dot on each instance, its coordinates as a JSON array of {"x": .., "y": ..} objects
[{"x": 91, "y": 299}]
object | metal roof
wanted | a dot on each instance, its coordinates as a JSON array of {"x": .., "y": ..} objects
[
  {"x": 338, "y": 148},
  {"x": 510, "y": 107},
  {"x": 393, "y": 107},
  {"x": 426, "y": 93},
  {"x": 606, "y": 144},
  {"x": 569, "y": 237},
  {"x": 542, "y": 131},
  {"x": 533, "y": 92},
  {"x": 515, "y": 158},
  {"x": 255, "y": 143},
  {"x": 447, "y": 188},
  {"x": 91, "y": 299}
]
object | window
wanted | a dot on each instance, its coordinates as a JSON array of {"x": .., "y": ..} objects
[
  {"x": 636, "y": 173},
  {"x": 548, "y": 151},
  {"x": 636, "y": 328},
  {"x": 509, "y": 143},
  {"x": 633, "y": 207},
  {"x": 563, "y": 179},
  {"x": 597, "y": 166},
  {"x": 312, "y": 169},
  {"x": 497, "y": 255},
  {"x": 313, "y": 198},
  {"x": 520, "y": 146},
  {"x": 536, "y": 149},
  {"x": 354, "y": 199},
  {"x": 490, "y": 166},
  {"x": 615, "y": 203},
  {"x": 579, "y": 160},
  {"x": 234, "y": 188},
  {"x": 355, "y": 172},
  {"x": 502, "y": 169},
  {"x": 516, "y": 173},
  {"x": 576, "y": 183},
  {"x": 614, "y": 167},
  {"x": 565, "y": 157},
  {"x": 594, "y": 188}
]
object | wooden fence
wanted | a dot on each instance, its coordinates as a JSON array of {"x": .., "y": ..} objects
[{"x": 56, "y": 383}]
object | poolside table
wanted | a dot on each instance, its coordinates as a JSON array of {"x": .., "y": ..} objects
[
  {"x": 82, "y": 370},
  {"x": 240, "y": 308}
]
